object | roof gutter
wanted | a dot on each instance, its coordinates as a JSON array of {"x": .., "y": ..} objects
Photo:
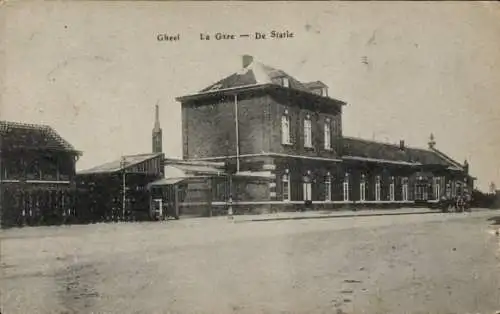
[{"x": 223, "y": 91}]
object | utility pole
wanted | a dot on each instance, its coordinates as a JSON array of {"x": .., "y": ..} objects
[
  {"x": 1, "y": 182},
  {"x": 124, "y": 188}
]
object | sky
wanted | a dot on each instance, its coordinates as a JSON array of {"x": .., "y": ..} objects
[{"x": 95, "y": 70}]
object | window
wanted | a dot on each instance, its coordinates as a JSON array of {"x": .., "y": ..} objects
[
  {"x": 437, "y": 188},
  {"x": 307, "y": 187},
  {"x": 404, "y": 189},
  {"x": 285, "y": 129},
  {"x": 328, "y": 134},
  {"x": 392, "y": 190},
  {"x": 307, "y": 132},
  {"x": 377, "y": 188},
  {"x": 346, "y": 187},
  {"x": 328, "y": 187},
  {"x": 453, "y": 188},
  {"x": 285, "y": 82},
  {"x": 362, "y": 188},
  {"x": 335, "y": 127},
  {"x": 285, "y": 181}
]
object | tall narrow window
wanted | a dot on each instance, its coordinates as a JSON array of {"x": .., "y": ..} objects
[
  {"x": 335, "y": 127},
  {"x": 328, "y": 187},
  {"x": 307, "y": 132},
  {"x": 362, "y": 188},
  {"x": 285, "y": 129},
  {"x": 346, "y": 187},
  {"x": 437, "y": 188},
  {"x": 404, "y": 189},
  {"x": 285, "y": 181},
  {"x": 453, "y": 188},
  {"x": 392, "y": 190},
  {"x": 328, "y": 134},
  {"x": 307, "y": 187},
  {"x": 378, "y": 180}
]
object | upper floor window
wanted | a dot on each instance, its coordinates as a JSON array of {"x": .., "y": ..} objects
[
  {"x": 285, "y": 128},
  {"x": 328, "y": 134},
  {"x": 307, "y": 132},
  {"x": 328, "y": 187}
]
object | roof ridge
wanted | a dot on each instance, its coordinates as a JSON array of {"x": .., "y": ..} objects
[{"x": 385, "y": 143}]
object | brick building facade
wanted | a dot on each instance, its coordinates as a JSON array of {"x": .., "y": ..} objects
[{"x": 262, "y": 120}]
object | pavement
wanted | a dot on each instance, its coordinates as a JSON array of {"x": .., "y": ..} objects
[{"x": 318, "y": 214}]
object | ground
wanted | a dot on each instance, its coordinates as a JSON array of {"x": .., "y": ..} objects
[{"x": 433, "y": 263}]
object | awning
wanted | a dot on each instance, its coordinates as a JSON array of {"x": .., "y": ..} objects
[
  {"x": 165, "y": 181},
  {"x": 256, "y": 174}
]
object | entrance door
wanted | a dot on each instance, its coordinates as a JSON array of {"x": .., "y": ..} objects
[{"x": 421, "y": 192}]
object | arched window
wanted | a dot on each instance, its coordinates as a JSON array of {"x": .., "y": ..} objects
[
  {"x": 307, "y": 132},
  {"x": 285, "y": 128},
  {"x": 328, "y": 134}
]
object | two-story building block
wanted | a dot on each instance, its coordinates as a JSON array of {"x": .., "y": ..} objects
[{"x": 261, "y": 120}]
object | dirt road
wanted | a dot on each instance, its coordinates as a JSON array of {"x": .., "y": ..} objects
[{"x": 436, "y": 263}]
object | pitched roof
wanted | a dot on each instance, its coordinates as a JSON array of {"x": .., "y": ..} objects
[
  {"x": 119, "y": 164},
  {"x": 256, "y": 73},
  {"x": 32, "y": 136},
  {"x": 314, "y": 85},
  {"x": 357, "y": 148}
]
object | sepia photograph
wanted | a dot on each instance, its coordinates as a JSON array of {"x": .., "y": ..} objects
[{"x": 249, "y": 157}]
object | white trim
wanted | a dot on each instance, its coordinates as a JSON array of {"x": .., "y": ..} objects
[
  {"x": 36, "y": 181},
  {"x": 382, "y": 160},
  {"x": 264, "y": 154},
  {"x": 285, "y": 130},
  {"x": 296, "y": 202}
]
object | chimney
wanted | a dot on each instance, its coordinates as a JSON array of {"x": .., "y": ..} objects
[
  {"x": 402, "y": 145},
  {"x": 247, "y": 60}
]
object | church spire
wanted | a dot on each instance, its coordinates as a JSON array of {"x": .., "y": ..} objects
[{"x": 157, "y": 132}]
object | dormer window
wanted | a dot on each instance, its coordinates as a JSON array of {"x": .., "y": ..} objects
[{"x": 285, "y": 82}]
